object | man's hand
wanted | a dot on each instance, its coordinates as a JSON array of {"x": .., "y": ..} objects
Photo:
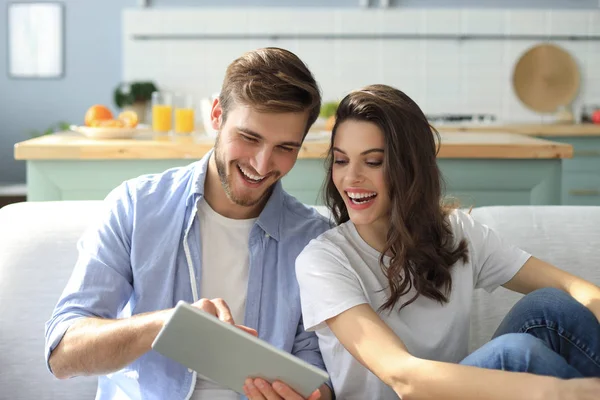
[
  {"x": 259, "y": 389},
  {"x": 220, "y": 309}
]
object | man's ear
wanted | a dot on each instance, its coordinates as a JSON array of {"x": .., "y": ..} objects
[{"x": 216, "y": 115}]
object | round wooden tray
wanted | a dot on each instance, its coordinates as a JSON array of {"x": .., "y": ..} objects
[{"x": 545, "y": 78}]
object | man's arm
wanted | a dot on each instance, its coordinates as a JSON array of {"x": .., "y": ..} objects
[
  {"x": 100, "y": 286},
  {"x": 95, "y": 346}
]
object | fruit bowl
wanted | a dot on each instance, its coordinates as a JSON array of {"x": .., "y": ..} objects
[
  {"x": 102, "y": 132},
  {"x": 99, "y": 124}
]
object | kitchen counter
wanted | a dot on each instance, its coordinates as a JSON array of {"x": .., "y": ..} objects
[
  {"x": 547, "y": 130},
  {"x": 73, "y": 146},
  {"x": 492, "y": 168}
]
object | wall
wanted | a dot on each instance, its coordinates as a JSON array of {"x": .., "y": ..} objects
[
  {"x": 93, "y": 61},
  {"x": 566, "y": 4},
  {"x": 350, "y": 48},
  {"x": 93, "y": 68}
]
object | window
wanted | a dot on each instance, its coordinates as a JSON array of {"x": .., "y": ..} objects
[{"x": 35, "y": 40}]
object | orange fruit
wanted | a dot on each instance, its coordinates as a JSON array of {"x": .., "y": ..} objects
[
  {"x": 129, "y": 118},
  {"x": 108, "y": 123},
  {"x": 97, "y": 112}
]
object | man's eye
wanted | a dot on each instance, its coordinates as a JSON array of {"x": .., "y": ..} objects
[
  {"x": 249, "y": 139},
  {"x": 286, "y": 149}
]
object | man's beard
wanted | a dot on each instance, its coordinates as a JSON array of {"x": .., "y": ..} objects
[{"x": 225, "y": 182}]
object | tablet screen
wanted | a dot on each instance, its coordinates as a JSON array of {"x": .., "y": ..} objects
[{"x": 228, "y": 356}]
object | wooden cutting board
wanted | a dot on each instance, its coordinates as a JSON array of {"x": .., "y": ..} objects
[{"x": 545, "y": 78}]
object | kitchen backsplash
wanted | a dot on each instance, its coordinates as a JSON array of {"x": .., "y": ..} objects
[{"x": 449, "y": 61}]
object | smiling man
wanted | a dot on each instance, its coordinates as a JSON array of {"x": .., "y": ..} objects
[{"x": 220, "y": 233}]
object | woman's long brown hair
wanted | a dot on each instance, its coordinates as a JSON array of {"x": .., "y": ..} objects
[{"x": 420, "y": 240}]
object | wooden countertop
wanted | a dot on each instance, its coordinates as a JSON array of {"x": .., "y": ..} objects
[
  {"x": 528, "y": 129},
  {"x": 74, "y": 146}
]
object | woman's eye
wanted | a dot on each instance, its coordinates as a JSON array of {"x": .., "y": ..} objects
[
  {"x": 340, "y": 162},
  {"x": 374, "y": 163}
]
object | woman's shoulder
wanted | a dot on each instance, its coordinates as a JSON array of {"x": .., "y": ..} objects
[
  {"x": 331, "y": 239},
  {"x": 331, "y": 244},
  {"x": 460, "y": 220}
]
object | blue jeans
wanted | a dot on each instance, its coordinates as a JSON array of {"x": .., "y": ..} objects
[{"x": 546, "y": 333}]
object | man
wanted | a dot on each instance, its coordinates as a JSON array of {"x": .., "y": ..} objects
[{"x": 221, "y": 229}]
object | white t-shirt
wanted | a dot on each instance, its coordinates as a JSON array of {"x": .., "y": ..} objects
[
  {"x": 339, "y": 270},
  {"x": 225, "y": 261}
]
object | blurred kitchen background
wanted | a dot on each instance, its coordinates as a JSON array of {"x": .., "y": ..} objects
[{"x": 456, "y": 58}]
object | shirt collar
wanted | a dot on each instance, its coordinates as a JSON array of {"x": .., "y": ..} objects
[
  {"x": 269, "y": 218},
  {"x": 199, "y": 177}
]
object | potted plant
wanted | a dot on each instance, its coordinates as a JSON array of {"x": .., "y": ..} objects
[
  {"x": 56, "y": 127},
  {"x": 135, "y": 96},
  {"x": 328, "y": 110}
]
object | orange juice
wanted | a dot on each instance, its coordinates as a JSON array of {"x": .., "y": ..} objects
[
  {"x": 161, "y": 118},
  {"x": 184, "y": 120}
]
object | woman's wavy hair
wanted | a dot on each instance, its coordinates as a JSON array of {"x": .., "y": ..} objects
[{"x": 420, "y": 240}]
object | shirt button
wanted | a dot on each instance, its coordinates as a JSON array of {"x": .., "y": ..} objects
[{"x": 267, "y": 235}]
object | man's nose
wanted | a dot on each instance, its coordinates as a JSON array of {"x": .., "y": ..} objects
[{"x": 263, "y": 161}]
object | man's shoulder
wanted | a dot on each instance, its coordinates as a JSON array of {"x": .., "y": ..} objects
[
  {"x": 304, "y": 219},
  {"x": 172, "y": 183}
]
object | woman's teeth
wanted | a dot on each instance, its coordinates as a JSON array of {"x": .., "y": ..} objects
[
  {"x": 361, "y": 198},
  {"x": 250, "y": 176}
]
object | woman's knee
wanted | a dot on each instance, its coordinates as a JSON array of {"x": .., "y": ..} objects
[
  {"x": 517, "y": 351},
  {"x": 517, "y": 344},
  {"x": 522, "y": 352},
  {"x": 552, "y": 300}
]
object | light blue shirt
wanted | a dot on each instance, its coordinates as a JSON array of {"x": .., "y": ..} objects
[{"x": 144, "y": 255}]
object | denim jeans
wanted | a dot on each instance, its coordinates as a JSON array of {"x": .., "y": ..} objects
[{"x": 546, "y": 333}]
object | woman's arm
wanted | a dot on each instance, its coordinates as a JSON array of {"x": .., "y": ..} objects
[
  {"x": 376, "y": 346},
  {"x": 538, "y": 274}
]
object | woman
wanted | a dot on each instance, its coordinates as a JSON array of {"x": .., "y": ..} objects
[{"x": 388, "y": 291}]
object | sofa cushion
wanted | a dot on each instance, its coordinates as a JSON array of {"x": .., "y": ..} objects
[{"x": 38, "y": 251}]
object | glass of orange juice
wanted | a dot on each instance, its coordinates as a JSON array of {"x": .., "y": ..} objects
[
  {"x": 184, "y": 114},
  {"x": 162, "y": 113}
]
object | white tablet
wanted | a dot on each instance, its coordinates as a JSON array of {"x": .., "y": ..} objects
[{"x": 227, "y": 355}]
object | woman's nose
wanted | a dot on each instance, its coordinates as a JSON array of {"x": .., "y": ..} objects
[{"x": 354, "y": 173}]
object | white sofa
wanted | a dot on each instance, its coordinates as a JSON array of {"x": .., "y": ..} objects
[{"x": 37, "y": 252}]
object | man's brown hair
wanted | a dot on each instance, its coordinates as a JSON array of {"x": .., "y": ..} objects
[{"x": 271, "y": 80}]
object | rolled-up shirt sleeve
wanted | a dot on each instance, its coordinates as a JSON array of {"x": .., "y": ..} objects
[
  {"x": 101, "y": 282},
  {"x": 495, "y": 261}
]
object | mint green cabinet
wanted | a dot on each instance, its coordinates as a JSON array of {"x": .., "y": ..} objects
[
  {"x": 581, "y": 174},
  {"x": 476, "y": 182}
]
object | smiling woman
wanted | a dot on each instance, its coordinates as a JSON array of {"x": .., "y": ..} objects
[
  {"x": 35, "y": 40},
  {"x": 389, "y": 290}
]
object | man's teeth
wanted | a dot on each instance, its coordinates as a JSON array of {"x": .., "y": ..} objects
[{"x": 251, "y": 176}]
